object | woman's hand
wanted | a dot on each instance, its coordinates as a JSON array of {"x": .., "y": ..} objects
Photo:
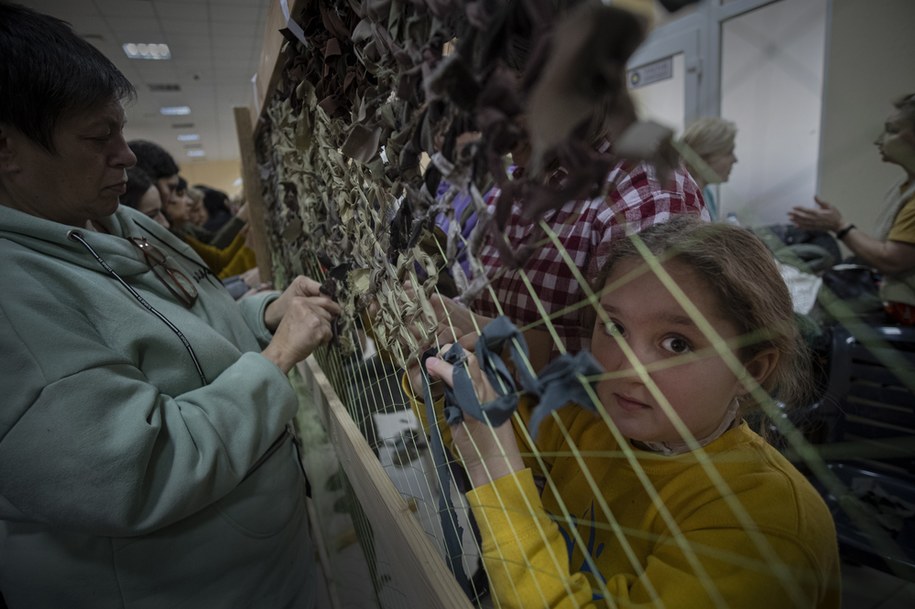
[
  {"x": 300, "y": 287},
  {"x": 243, "y": 213},
  {"x": 824, "y": 217},
  {"x": 306, "y": 324},
  {"x": 300, "y": 319},
  {"x": 488, "y": 453}
]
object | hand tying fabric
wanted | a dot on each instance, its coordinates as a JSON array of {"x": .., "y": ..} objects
[{"x": 488, "y": 453}]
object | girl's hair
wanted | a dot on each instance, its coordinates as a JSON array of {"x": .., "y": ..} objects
[{"x": 740, "y": 270}]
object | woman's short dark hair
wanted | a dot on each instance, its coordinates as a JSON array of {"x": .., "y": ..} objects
[
  {"x": 216, "y": 201},
  {"x": 154, "y": 159},
  {"x": 138, "y": 182},
  {"x": 48, "y": 71}
]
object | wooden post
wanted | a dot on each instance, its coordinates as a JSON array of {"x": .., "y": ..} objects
[
  {"x": 270, "y": 65},
  {"x": 253, "y": 193},
  {"x": 419, "y": 569}
]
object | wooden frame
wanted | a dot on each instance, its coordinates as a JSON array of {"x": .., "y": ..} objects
[
  {"x": 393, "y": 525},
  {"x": 251, "y": 183},
  {"x": 419, "y": 565}
]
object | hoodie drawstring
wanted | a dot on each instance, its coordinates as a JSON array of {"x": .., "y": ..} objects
[{"x": 75, "y": 235}]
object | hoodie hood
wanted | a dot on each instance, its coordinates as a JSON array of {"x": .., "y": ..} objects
[{"x": 53, "y": 239}]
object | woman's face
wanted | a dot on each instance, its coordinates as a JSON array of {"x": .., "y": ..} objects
[
  {"x": 668, "y": 344},
  {"x": 178, "y": 207},
  {"x": 897, "y": 142},
  {"x": 722, "y": 163},
  {"x": 81, "y": 180},
  {"x": 197, "y": 212},
  {"x": 151, "y": 205}
]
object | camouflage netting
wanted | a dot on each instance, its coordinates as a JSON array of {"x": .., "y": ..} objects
[{"x": 380, "y": 85}]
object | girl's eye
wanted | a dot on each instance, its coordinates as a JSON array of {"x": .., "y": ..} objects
[
  {"x": 676, "y": 344},
  {"x": 614, "y": 329}
]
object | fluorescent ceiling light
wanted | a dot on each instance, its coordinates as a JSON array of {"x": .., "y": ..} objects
[
  {"x": 189, "y": 137},
  {"x": 175, "y": 110},
  {"x": 144, "y": 50},
  {"x": 196, "y": 152}
]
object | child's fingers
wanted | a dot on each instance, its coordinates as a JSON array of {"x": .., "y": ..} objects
[{"x": 440, "y": 369}]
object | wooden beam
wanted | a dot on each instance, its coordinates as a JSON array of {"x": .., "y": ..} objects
[
  {"x": 270, "y": 65},
  {"x": 254, "y": 195},
  {"x": 416, "y": 564}
]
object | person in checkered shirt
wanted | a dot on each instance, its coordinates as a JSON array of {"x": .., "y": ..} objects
[{"x": 635, "y": 200}]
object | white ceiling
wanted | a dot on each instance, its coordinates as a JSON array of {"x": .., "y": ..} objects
[{"x": 215, "y": 47}]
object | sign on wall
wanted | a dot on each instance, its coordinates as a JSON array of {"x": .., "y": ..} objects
[{"x": 647, "y": 74}]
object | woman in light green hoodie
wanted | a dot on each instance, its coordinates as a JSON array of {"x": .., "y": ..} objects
[{"x": 144, "y": 454}]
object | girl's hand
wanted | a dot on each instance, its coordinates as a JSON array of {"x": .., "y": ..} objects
[{"x": 488, "y": 453}]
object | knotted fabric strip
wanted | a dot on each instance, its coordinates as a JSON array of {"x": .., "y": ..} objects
[
  {"x": 562, "y": 381},
  {"x": 462, "y": 398},
  {"x": 451, "y": 529}
]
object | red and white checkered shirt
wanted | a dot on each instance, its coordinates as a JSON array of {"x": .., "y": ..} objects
[{"x": 636, "y": 200}]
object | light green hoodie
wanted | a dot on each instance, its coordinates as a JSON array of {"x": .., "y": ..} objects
[{"x": 125, "y": 479}]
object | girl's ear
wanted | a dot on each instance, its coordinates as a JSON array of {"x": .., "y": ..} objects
[{"x": 762, "y": 365}]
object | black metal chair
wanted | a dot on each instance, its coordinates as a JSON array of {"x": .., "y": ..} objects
[{"x": 868, "y": 413}]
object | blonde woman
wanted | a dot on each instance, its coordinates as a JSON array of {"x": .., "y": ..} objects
[{"x": 709, "y": 144}]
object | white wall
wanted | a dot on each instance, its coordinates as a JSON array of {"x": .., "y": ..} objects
[
  {"x": 772, "y": 67},
  {"x": 870, "y": 62},
  {"x": 809, "y": 84},
  {"x": 663, "y": 101}
]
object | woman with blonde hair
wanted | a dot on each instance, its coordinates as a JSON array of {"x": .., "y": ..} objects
[{"x": 708, "y": 149}]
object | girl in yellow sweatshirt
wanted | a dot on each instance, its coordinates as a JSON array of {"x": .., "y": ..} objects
[{"x": 663, "y": 496}]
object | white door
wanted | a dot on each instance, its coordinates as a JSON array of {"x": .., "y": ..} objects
[{"x": 663, "y": 77}]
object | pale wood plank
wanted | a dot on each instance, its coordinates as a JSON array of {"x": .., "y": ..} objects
[
  {"x": 271, "y": 61},
  {"x": 253, "y": 193},
  {"x": 419, "y": 568}
]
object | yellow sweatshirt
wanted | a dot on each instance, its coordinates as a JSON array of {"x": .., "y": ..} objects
[
  {"x": 234, "y": 259},
  {"x": 687, "y": 547}
]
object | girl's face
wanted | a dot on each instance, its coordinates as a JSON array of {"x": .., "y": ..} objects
[{"x": 679, "y": 358}]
